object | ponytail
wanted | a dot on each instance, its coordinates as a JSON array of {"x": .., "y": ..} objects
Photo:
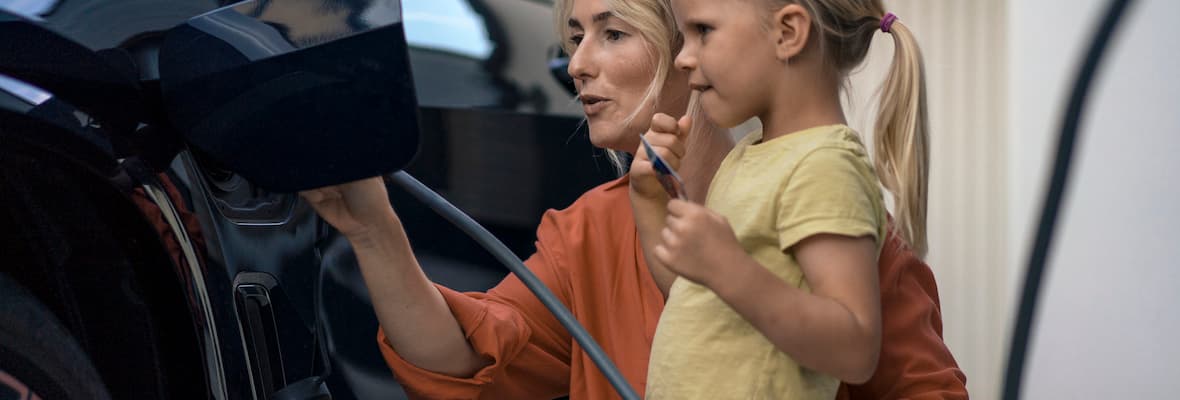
[{"x": 901, "y": 141}]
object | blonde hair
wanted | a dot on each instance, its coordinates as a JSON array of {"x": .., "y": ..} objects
[
  {"x": 901, "y": 139},
  {"x": 656, "y": 25}
]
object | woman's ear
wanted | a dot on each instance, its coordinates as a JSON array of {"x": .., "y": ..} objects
[{"x": 791, "y": 27}]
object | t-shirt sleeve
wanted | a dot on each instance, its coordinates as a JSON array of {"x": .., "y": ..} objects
[
  {"x": 831, "y": 190},
  {"x": 529, "y": 349}
]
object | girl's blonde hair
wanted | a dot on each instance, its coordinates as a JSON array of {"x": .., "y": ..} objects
[
  {"x": 656, "y": 25},
  {"x": 901, "y": 138}
]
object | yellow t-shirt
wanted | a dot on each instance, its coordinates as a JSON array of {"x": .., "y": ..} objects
[{"x": 774, "y": 194}]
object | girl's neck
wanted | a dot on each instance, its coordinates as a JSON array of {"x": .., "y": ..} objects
[{"x": 802, "y": 107}]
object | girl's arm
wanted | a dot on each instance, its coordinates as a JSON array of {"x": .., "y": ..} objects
[{"x": 835, "y": 329}]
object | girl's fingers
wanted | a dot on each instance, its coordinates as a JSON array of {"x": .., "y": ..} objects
[
  {"x": 663, "y": 255},
  {"x": 663, "y": 123},
  {"x": 675, "y": 223},
  {"x": 685, "y": 125},
  {"x": 669, "y": 239},
  {"x": 678, "y": 208},
  {"x": 668, "y": 141}
]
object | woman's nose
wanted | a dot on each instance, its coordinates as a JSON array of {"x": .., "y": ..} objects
[{"x": 581, "y": 67}]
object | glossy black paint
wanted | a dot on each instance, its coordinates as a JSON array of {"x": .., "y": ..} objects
[
  {"x": 291, "y": 95},
  {"x": 32, "y": 53},
  {"x": 69, "y": 235},
  {"x": 499, "y": 136}
]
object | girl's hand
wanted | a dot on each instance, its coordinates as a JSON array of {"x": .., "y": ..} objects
[
  {"x": 697, "y": 243},
  {"x": 356, "y": 209},
  {"x": 666, "y": 137}
]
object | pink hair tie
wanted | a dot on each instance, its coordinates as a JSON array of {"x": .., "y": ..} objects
[{"x": 887, "y": 22}]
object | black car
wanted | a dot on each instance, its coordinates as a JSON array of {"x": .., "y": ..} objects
[{"x": 151, "y": 241}]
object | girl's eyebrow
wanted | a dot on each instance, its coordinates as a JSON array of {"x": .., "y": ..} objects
[
  {"x": 691, "y": 21},
  {"x": 602, "y": 16}
]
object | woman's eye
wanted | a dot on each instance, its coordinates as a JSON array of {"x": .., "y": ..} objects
[
  {"x": 703, "y": 29},
  {"x": 575, "y": 40},
  {"x": 613, "y": 35}
]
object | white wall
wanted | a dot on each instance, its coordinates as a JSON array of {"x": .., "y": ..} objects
[
  {"x": 1108, "y": 320},
  {"x": 998, "y": 72}
]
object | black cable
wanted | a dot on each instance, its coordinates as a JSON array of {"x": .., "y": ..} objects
[
  {"x": 1053, "y": 199},
  {"x": 505, "y": 256}
]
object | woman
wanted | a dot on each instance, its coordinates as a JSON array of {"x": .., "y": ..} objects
[{"x": 504, "y": 344}]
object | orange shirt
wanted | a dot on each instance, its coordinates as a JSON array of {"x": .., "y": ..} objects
[{"x": 589, "y": 256}]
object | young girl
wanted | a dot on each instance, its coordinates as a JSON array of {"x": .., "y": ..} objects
[{"x": 778, "y": 294}]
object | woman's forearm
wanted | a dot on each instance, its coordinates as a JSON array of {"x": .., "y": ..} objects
[
  {"x": 649, "y": 220},
  {"x": 413, "y": 314}
]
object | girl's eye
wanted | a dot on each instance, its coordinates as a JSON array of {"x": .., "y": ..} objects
[
  {"x": 576, "y": 40},
  {"x": 703, "y": 29},
  {"x": 613, "y": 35}
]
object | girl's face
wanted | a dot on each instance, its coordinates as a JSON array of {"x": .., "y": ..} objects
[
  {"x": 612, "y": 67},
  {"x": 729, "y": 57}
]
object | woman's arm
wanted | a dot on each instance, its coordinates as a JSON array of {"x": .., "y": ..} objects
[
  {"x": 441, "y": 343},
  {"x": 915, "y": 363},
  {"x": 411, "y": 311},
  {"x": 648, "y": 198}
]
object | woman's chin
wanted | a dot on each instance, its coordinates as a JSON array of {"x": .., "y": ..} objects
[{"x": 609, "y": 139}]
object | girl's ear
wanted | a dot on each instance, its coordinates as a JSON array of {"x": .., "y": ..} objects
[{"x": 791, "y": 27}]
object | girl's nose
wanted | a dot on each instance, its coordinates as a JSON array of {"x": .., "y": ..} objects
[{"x": 685, "y": 61}]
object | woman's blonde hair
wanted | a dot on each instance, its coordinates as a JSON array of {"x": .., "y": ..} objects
[
  {"x": 901, "y": 138},
  {"x": 656, "y": 25}
]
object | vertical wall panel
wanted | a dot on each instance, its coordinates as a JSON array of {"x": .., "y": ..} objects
[{"x": 964, "y": 45}]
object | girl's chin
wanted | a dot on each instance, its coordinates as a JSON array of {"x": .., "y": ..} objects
[{"x": 724, "y": 121}]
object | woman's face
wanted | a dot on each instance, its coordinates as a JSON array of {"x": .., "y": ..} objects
[{"x": 612, "y": 67}]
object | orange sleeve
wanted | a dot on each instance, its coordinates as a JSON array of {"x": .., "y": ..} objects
[
  {"x": 915, "y": 362},
  {"x": 529, "y": 348}
]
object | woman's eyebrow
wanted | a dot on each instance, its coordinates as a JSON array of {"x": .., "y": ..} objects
[{"x": 602, "y": 16}]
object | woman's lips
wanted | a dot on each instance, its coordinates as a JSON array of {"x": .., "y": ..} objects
[{"x": 593, "y": 105}]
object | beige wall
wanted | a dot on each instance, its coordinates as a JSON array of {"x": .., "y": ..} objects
[{"x": 964, "y": 46}]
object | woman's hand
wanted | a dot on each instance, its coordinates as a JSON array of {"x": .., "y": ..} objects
[
  {"x": 666, "y": 137},
  {"x": 356, "y": 209},
  {"x": 697, "y": 243}
]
